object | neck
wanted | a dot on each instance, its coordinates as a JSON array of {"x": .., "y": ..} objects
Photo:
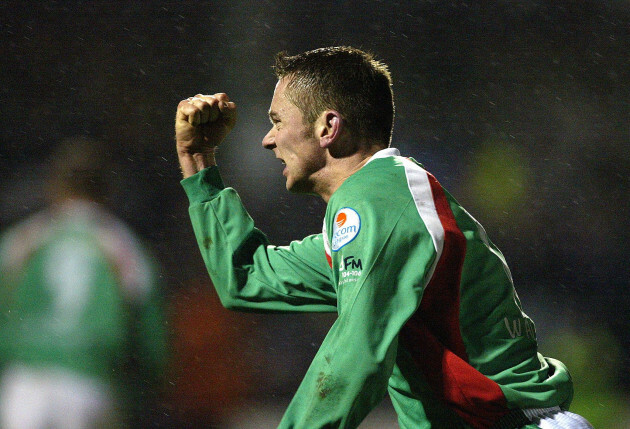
[{"x": 337, "y": 170}]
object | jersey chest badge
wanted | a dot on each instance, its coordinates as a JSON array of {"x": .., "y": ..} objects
[{"x": 345, "y": 228}]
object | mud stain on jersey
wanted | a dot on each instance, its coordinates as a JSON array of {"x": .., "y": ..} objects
[{"x": 324, "y": 385}]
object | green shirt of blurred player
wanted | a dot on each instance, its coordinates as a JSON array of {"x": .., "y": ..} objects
[{"x": 81, "y": 320}]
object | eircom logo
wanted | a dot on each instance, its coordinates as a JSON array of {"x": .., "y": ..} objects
[
  {"x": 340, "y": 219},
  {"x": 345, "y": 228}
]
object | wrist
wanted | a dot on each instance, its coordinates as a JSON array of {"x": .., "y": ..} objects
[{"x": 193, "y": 162}]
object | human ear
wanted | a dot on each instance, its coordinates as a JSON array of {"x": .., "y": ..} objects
[{"x": 329, "y": 127}]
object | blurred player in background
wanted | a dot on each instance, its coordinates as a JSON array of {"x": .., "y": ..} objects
[
  {"x": 82, "y": 333},
  {"x": 426, "y": 307}
]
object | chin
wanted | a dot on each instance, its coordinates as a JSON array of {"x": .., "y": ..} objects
[
  {"x": 293, "y": 189},
  {"x": 292, "y": 185}
]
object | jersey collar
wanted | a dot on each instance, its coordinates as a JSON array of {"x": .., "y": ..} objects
[{"x": 384, "y": 153}]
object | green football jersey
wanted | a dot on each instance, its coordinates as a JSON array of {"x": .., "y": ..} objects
[
  {"x": 427, "y": 311},
  {"x": 78, "y": 291}
]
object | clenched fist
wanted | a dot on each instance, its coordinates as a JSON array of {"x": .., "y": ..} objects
[{"x": 201, "y": 124}]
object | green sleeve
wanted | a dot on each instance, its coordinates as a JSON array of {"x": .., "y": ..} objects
[
  {"x": 379, "y": 284},
  {"x": 248, "y": 273}
]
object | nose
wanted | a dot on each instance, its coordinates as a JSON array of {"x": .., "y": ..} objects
[{"x": 269, "y": 141}]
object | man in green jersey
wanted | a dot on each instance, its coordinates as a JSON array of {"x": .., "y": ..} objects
[
  {"x": 82, "y": 328},
  {"x": 426, "y": 307}
]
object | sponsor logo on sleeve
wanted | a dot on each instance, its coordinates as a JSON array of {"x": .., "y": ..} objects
[
  {"x": 345, "y": 228},
  {"x": 350, "y": 263},
  {"x": 350, "y": 269}
]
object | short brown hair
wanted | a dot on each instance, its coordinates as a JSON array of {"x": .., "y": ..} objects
[{"x": 345, "y": 79}]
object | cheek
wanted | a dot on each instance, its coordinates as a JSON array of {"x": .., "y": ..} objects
[{"x": 289, "y": 146}]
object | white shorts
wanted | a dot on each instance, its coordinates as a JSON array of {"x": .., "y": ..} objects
[
  {"x": 37, "y": 398},
  {"x": 555, "y": 418}
]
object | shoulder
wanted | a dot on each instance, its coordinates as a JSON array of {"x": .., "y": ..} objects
[
  {"x": 370, "y": 203},
  {"x": 20, "y": 239},
  {"x": 382, "y": 180}
]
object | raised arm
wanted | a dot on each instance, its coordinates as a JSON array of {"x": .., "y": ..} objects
[{"x": 248, "y": 273}]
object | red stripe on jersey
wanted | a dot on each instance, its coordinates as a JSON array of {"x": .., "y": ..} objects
[
  {"x": 329, "y": 259},
  {"x": 433, "y": 336}
]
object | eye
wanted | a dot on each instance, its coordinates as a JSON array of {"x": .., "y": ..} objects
[{"x": 275, "y": 121}]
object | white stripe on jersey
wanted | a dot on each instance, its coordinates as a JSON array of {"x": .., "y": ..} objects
[
  {"x": 420, "y": 188},
  {"x": 326, "y": 244}
]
